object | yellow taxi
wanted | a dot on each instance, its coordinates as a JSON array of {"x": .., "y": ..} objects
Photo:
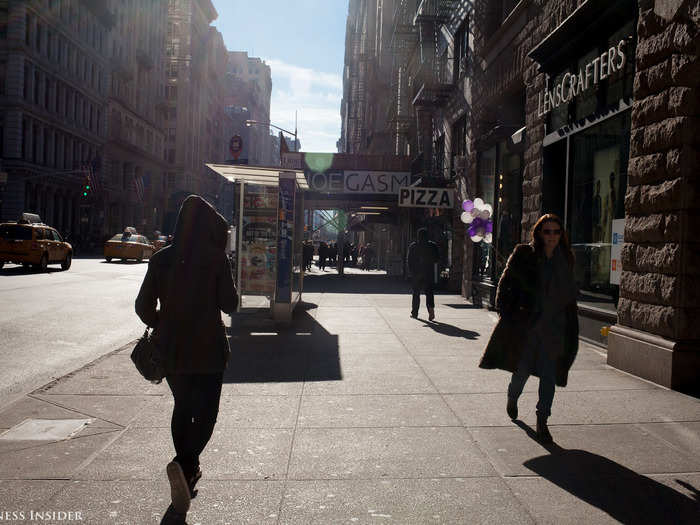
[
  {"x": 29, "y": 241},
  {"x": 128, "y": 245}
]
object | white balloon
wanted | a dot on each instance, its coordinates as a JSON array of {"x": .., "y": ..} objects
[
  {"x": 475, "y": 212},
  {"x": 488, "y": 238},
  {"x": 466, "y": 217},
  {"x": 485, "y": 214},
  {"x": 476, "y": 238},
  {"x": 478, "y": 203},
  {"x": 489, "y": 208}
]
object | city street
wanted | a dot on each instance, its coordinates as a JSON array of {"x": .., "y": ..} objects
[{"x": 52, "y": 323}]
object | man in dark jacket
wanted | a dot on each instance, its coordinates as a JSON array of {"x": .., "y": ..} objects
[
  {"x": 422, "y": 256},
  {"x": 193, "y": 281}
]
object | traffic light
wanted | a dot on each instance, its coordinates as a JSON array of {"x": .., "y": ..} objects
[{"x": 86, "y": 188}]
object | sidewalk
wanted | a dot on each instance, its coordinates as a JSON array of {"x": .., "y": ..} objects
[{"x": 357, "y": 413}]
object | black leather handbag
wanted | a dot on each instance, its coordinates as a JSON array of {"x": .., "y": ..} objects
[{"x": 148, "y": 358}]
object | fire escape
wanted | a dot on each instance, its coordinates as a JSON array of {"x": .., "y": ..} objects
[
  {"x": 431, "y": 85},
  {"x": 403, "y": 41}
]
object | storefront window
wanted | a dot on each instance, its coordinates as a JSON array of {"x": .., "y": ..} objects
[
  {"x": 499, "y": 184},
  {"x": 508, "y": 207},
  {"x": 596, "y": 205},
  {"x": 483, "y": 252}
]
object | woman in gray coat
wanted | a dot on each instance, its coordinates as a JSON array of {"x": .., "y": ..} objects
[
  {"x": 192, "y": 280},
  {"x": 537, "y": 333}
]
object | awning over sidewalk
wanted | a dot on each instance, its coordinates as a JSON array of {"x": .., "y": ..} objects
[{"x": 256, "y": 174}]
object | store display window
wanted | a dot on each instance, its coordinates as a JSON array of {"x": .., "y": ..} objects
[
  {"x": 598, "y": 181},
  {"x": 500, "y": 185}
]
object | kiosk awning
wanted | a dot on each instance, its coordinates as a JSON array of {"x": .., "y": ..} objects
[{"x": 256, "y": 174}]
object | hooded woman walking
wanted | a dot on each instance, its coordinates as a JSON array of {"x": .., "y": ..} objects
[
  {"x": 537, "y": 333},
  {"x": 192, "y": 280}
]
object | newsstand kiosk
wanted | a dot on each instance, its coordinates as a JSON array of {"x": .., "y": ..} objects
[{"x": 266, "y": 237}]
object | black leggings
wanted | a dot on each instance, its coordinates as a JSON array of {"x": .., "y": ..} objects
[{"x": 196, "y": 408}]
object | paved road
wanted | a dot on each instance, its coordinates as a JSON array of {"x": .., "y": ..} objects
[{"x": 52, "y": 323}]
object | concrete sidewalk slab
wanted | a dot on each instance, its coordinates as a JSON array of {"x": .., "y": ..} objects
[{"x": 356, "y": 413}]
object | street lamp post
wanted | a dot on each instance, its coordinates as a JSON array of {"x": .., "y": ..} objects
[{"x": 250, "y": 123}]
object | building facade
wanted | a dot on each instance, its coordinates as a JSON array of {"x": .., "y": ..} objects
[
  {"x": 133, "y": 185},
  {"x": 248, "y": 93},
  {"x": 195, "y": 121},
  {"x": 585, "y": 109},
  {"x": 406, "y": 92},
  {"x": 54, "y": 88}
]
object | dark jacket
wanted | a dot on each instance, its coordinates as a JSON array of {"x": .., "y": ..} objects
[
  {"x": 192, "y": 279},
  {"x": 527, "y": 305},
  {"x": 422, "y": 256}
]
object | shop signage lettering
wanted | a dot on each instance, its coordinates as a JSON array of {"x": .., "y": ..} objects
[
  {"x": 358, "y": 181},
  {"x": 573, "y": 84},
  {"x": 426, "y": 197}
]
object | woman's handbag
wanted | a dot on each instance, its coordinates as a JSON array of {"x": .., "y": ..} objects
[{"x": 148, "y": 358}]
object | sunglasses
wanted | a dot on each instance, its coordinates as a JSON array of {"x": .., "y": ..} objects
[{"x": 551, "y": 232}]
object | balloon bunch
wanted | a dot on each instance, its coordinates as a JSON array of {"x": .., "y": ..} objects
[{"x": 477, "y": 214}]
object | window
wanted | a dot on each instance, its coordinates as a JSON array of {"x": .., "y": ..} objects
[
  {"x": 37, "y": 84},
  {"x": 171, "y": 156},
  {"x": 28, "y": 30},
  {"x": 460, "y": 52},
  {"x": 171, "y": 69},
  {"x": 27, "y": 80},
  {"x": 3, "y": 73},
  {"x": 596, "y": 204},
  {"x": 3, "y": 20}
]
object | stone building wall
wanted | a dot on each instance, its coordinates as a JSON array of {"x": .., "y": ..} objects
[{"x": 660, "y": 283}]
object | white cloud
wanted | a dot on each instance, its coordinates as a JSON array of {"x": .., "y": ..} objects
[{"x": 315, "y": 96}]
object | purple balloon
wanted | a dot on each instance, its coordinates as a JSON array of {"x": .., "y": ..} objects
[
  {"x": 476, "y": 225},
  {"x": 489, "y": 226},
  {"x": 467, "y": 205}
]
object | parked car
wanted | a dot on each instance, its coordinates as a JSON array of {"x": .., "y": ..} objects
[
  {"x": 29, "y": 241},
  {"x": 128, "y": 245}
]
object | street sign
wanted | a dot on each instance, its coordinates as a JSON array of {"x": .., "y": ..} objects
[
  {"x": 411, "y": 197},
  {"x": 235, "y": 146}
]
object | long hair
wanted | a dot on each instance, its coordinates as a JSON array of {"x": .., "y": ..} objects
[{"x": 564, "y": 243}]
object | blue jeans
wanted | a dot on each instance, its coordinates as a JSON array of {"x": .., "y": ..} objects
[{"x": 535, "y": 360}]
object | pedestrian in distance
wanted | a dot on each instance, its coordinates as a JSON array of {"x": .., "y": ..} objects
[
  {"x": 537, "y": 333},
  {"x": 422, "y": 256},
  {"x": 340, "y": 246},
  {"x": 192, "y": 279},
  {"x": 322, "y": 255}
]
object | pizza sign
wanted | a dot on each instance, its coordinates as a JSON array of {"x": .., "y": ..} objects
[{"x": 235, "y": 146}]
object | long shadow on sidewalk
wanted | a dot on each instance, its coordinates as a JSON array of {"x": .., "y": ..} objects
[
  {"x": 265, "y": 352},
  {"x": 623, "y": 494}
]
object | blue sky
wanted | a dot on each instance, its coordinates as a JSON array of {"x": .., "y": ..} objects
[{"x": 303, "y": 41}]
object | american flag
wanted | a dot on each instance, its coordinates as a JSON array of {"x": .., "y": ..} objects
[{"x": 138, "y": 186}]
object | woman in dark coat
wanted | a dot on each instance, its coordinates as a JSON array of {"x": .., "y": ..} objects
[
  {"x": 192, "y": 280},
  {"x": 537, "y": 333}
]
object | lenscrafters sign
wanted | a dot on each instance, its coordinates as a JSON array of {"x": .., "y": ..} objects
[
  {"x": 358, "y": 181},
  {"x": 574, "y": 83}
]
